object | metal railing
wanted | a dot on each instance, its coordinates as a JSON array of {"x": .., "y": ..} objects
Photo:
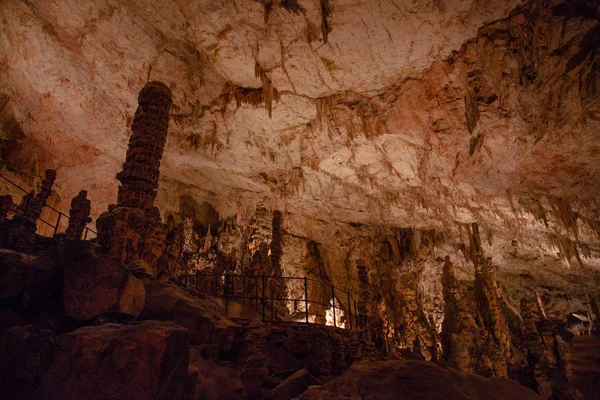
[
  {"x": 318, "y": 302},
  {"x": 18, "y": 210}
]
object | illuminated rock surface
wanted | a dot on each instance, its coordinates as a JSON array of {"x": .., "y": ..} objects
[{"x": 437, "y": 159}]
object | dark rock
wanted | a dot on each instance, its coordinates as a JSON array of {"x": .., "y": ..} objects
[
  {"x": 144, "y": 360},
  {"x": 293, "y": 386},
  {"x": 12, "y": 273},
  {"x": 101, "y": 285},
  {"x": 201, "y": 315},
  {"x": 412, "y": 380},
  {"x": 217, "y": 380},
  {"x": 280, "y": 361},
  {"x": 26, "y": 353}
]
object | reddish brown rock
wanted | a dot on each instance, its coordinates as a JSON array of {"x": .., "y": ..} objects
[
  {"x": 132, "y": 232},
  {"x": 412, "y": 380},
  {"x": 255, "y": 371},
  {"x": 26, "y": 353},
  {"x": 34, "y": 205},
  {"x": 459, "y": 330},
  {"x": 101, "y": 285},
  {"x": 490, "y": 310},
  {"x": 139, "y": 178},
  {"x": 293, "y": 386},
  {"x": 201, "y": 315},
  {"x": 79, "y": 216},
  {"x": 145, "y": 360},
  {"x": 12, "y": 273}
]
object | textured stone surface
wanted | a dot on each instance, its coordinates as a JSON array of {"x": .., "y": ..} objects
[
  {"x": 79, "y": 216},
  {"x": 414, "y": 380},
  {"x": 145, "y": 360},
  {"x": 101, "y": 285},
  {"x": 293, "y": 386},
  {"x": 381, "y": 131},
  {"x": 201, "y": 315}
]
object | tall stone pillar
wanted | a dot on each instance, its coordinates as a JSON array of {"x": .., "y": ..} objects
[
  {"x": 139, "y": 178},
  {"x": 368, "y": 351},
  {"x": 79, "y": 216},
  {"x": 132, "y": 231},
  {"x": 36, "y": 203},
  {"x": 490, "y": 309}
]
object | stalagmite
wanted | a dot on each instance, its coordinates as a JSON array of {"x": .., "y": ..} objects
[
  {"x": 132, "y": 231},
  {"x": 537, "y": 357},
  {"x": 79, "y": 216},
  {"x": 368, "y": 350},
  {"x": 459, "y": 330},
  {"x": 490, "y": 309},
  {"x": 34, "y": 207}
]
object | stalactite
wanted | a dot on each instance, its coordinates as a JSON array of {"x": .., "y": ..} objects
[
  {"x": 254, "y": 97},
  {"x": 535, "y": 208},
  {"x": 325, "y": 13}
]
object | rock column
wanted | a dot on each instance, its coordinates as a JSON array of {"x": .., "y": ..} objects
[
  {"x": 79, "y": 216},
  {"x": 369, "y": 350},
  {"x": 537, "y": 357},
  {"x": 459, "y": 330},
  {"x": 139, "y": 178},
  {"x": 36, "y": 203},
  {"x": 132, "y": 231},
  {"x": 490, "y": 309}
]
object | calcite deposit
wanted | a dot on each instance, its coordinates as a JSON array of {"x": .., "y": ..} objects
[
  {"x": 435, "y": 161},
  {"x": 79, "y": 216}
]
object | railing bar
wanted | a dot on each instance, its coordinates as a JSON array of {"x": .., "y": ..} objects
[{"x": 14, "y": 184}]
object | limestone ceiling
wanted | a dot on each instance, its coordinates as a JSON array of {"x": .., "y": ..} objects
[{"x": 401, "y": 112}]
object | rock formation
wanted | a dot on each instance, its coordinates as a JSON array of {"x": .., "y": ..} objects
[
  {"x": 459, "y": 334},
  {"x": 79, "y": 216},
  {"x": 33, "y": 205},
  {"x": 490, "y": 310},
  {"x": 132, "y": 231},
  {"x": 5, "y": 206},
  {"x": 437, "y": 160}
]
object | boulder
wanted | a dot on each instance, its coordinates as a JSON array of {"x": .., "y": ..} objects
[
  {"x": 200, "y": 314},
  {"x": 217, "y": 380},
  {"x": 101, "y": 285},
  {"x": 144, "y": 360},
  {"x": 12, "y": 273},
  {"x": 415, "y": 380},
  {"x": 293, "y": 386},
  {"x": 26, "y": 353}
]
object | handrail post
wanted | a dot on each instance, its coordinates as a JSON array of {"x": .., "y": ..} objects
[
  {"x": 306, "y": 298},
  {"x": 226, "y": 293},
  {"x": 263, "y": 296},
  {"x": 333, "y": 305},
  {"x": 86, "y": 233},
  {"x": 356, "y": 316},
  {"x": 350, "y": 310},
  {"x": 57, "y": 223}
]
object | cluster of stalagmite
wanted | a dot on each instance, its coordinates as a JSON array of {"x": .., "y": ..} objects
[
  {"x": 132, "y": 231},
  {"x": 79, "y": 216}
]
